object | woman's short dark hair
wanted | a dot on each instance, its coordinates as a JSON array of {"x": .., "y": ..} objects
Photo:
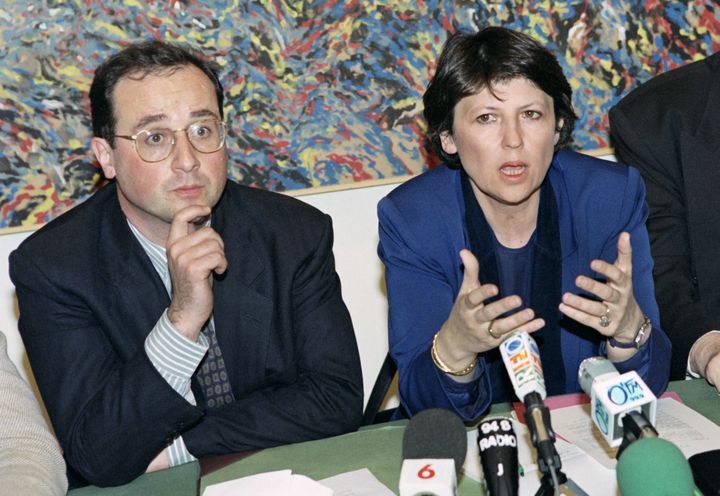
[
  {"x": 138, "y": 61},
  {"x": 471, "y": 62}
]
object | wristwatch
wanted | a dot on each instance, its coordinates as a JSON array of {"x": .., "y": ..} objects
[{"x": 637, "y": 341}]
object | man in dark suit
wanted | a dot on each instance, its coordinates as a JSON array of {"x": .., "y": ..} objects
[
  {"x": 176, "y": 314},
  {"x": 669, "y": 128}
]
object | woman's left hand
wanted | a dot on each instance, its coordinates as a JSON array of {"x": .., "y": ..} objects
[{"x": 617, "y": 314}]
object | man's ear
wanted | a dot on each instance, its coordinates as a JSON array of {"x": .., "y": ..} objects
[
  {"x": 558, "y": 128},
  {"x": 448, "y": 143},
  {"x": 103, "y": 153}
]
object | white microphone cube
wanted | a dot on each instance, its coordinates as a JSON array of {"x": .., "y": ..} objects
[
  {"x": 613, "y": 396},
  {"x": 521, "y": 357},
  {"x": 428, "y": 477}
]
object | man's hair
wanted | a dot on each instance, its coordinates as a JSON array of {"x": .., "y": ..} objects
[
  {"x": 470, "y": 63},
  {"x": 138, "y": 61}
]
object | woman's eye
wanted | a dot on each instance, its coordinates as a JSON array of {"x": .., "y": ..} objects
[
  {"x": 485, "y": 118},
  {"x": 532, "y": 114}
]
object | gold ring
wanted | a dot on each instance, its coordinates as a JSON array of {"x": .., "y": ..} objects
[
  {"x": 604, "y": 319},
  {"x": 490, "y": 330}
]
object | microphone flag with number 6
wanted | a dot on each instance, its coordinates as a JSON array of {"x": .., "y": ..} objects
[{"x": 434, "y": 448}]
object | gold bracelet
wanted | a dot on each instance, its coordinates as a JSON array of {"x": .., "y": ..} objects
[{"x": 441, "y": 365}]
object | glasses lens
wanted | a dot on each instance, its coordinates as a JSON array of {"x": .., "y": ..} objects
[
  {"x": 207, "y": 136},
  {"x": 154, "y": 145}
]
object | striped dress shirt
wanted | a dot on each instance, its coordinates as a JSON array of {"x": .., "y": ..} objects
[{"x": 173, "y": 355}]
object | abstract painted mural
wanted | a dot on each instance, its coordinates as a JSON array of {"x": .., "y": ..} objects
[{"x": 319, "y": 92}]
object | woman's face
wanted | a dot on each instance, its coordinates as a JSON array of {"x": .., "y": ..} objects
[{"x": 505, "y": 140}]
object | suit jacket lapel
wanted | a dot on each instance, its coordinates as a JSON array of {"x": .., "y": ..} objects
[
  {"x": 243, "y": 314},
  {"x": 547, "y": 288},
  {"x": 138, "y": 294}
]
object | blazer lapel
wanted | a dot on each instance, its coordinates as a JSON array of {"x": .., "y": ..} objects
[
  {"x": 138, "y": 296},
  {"x": 547, "y": 289},
  {"x": 243, "y": 314}
]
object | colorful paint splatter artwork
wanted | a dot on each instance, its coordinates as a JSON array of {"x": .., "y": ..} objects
[{"x": 319, "y": 93}]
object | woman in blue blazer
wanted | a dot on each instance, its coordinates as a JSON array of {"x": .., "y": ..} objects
[{"x": 513, "y": 234}]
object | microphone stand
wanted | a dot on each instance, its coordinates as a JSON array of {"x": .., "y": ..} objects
[
  {"x": 537, "y": 417},
  {"x": 635, "y": 426}
]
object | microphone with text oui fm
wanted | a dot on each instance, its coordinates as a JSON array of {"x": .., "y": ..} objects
[
  {"x": 522, "y": 361},
  {"x": 434, "y": 448},
  {"x": 499, "y": 456},
  {"x": 622, "y": 406}
]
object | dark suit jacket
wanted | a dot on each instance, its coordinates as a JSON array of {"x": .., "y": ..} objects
[
  {"x": 669, "y": 128},
  {"x": 423, "y": 229},
  {"x": 89, "y": 296}
]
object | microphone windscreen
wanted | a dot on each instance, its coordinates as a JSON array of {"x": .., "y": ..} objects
[
  {"x": 654, "y": 466},
  {"x": 435, "y": 433}
]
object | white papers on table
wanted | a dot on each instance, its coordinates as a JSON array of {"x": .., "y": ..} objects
[
  {"x": 279, "y": 483},
  {"x": 284, "y": 483},
  {"x": 685, "y": 427},
  {"x": 357, "y": 483}
]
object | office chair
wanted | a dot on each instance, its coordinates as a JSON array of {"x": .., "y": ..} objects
[{"x": 372, "y": 414}]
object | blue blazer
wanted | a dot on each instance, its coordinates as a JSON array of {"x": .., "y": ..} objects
[
  {"x": 89, "y": 295},
  {"x": 423, "y": 229}
]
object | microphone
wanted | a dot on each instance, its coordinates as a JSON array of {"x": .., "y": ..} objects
[
  {"x": 623, "y": 407},
  {"x": 521, "y": 357},
  {"x": 704, "y": 469},
  {"x": 499, "y": 456},
  {"x": 434, "y": 448},
  {"x": 654, "y": 466}
]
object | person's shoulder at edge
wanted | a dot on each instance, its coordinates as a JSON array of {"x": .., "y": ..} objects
[
  {"x": 30, "y": 457},
  {"x": 675, "y": 89}
]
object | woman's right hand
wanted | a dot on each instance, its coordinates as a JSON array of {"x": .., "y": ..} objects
[{"x": 468, "y": 331}]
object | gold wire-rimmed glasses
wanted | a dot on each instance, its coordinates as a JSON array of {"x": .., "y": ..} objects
[{"x": 154, "y": 145}]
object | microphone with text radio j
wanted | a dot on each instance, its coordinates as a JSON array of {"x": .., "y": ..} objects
[
  {"x": 434, "y": 448},
  {"x": 622, "y": 406},
  {"x": 499, "y": 456},
  {"x": 521, "y": 357}
]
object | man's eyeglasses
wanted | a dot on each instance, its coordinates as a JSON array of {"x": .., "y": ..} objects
[{"x": 154, "y": 145}]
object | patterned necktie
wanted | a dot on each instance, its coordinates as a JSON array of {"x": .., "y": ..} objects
[{"x": 212, "y": 375}]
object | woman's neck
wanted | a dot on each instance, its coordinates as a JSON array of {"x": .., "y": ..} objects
[{"x": 513, "y": 225}]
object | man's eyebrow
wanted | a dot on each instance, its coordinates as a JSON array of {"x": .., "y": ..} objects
[
  {"x": 149, "y": 119},
  {"x": 204, "y": 113}
]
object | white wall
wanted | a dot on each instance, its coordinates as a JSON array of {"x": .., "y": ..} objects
[{"x": 355, "y": 223}]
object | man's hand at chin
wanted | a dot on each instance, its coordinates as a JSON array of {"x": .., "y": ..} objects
[{"x": 194, "y": 253}]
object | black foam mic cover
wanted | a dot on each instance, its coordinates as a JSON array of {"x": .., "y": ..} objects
[
  {"x": 705, "y": 469},
  {"x": 436, "y": 433}
]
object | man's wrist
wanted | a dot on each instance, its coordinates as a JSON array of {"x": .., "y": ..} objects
[
  {"x": 180, "y": 324},
  {"x": 702, "y": 352}
]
